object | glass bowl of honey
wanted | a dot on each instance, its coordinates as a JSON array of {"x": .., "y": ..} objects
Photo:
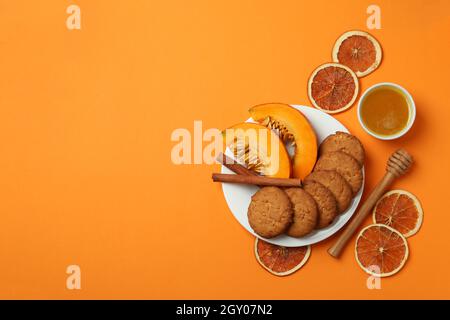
[{"x": 386, "y": 111}]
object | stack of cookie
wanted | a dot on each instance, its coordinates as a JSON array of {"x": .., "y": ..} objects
[{"x": 326, "y": 192}]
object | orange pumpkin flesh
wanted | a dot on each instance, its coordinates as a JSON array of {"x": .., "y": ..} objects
[
  {"x": 293, "y": 124},
  {"x": 270, "y": 162}
]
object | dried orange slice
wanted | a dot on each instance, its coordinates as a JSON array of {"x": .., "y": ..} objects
[
  {"x": 400, "y": 210},
  {"x": 381, "y": 250},
  {"x": 359, "y": 51},
  {"x": 278, "y": 260},
  {"x": 333, "y": 87}
]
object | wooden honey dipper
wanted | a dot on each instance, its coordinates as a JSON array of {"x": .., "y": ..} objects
[{"x": 397, "y": 165}]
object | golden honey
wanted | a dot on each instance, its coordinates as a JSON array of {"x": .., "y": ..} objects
[{"x": 385, "y": 111}]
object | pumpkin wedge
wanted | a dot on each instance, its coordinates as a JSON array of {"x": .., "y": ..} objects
[
  {"x": 292, "y": 127},
  {"x": 259, "y": 149}
]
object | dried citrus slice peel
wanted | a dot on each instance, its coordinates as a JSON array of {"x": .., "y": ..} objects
[
  {"x": 359, "y": 51},
  {"x": 333, "y": 87},
  {"x": 401, "y": 210},
  {"x": 278, "y": 260},
  {"x": 381, "y": 250}
]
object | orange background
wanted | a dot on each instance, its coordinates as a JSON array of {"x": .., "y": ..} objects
[{"x": 85, "y": 122}]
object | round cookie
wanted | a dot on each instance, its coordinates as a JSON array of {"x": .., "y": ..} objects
[
  {"x": 344, "y": 142},
  {"x": 270, "y": 212},
  {"x": 343, "y": 164},
  {"x": 326, "y": 203},
  {"x": 305, "y": 212},
  {"x": 334, "y": 182}
]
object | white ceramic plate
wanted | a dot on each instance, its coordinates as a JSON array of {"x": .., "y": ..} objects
[{"x": 238, "y": 196}]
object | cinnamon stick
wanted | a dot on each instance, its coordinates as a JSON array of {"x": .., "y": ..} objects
[{"x": 256, "y": 180}]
